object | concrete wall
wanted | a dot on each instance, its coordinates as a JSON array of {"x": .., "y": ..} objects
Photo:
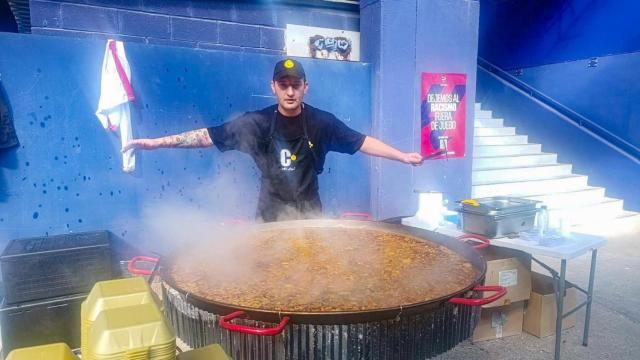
[
  {"x": 66, "y": 176},
  {"x": 247, "y": 26},
  {"x": 605, "y": 166},
  {"x": 401, "y": 40},
  {"x": 550, "y": 43},
  {"x": 525, "y": 33},
  {"x": 7, "y": 20},
  {"x": 607, "y": 93}
]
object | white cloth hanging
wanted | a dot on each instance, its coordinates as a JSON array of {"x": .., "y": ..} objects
[{"x": 115, "y": 94}]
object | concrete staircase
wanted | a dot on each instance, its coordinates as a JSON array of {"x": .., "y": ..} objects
[{"x": 505, "y": 163}]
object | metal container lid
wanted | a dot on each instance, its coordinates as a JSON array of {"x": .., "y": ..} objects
[
  {"x": 63, "y": 243},
  {"x": 497, "y": 205}
]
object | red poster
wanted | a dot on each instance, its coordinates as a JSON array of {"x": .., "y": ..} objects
[{"x": 443, "y": 113}]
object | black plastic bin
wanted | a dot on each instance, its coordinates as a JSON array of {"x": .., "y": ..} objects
[
  {"x": 53, "y": 266},
  {"x": 41, "y": 322}
]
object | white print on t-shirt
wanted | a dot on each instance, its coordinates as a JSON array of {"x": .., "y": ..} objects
[{"x": 286, "y": 160}]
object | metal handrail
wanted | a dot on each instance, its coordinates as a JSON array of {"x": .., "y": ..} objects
[{"x": 612, "y": 139}]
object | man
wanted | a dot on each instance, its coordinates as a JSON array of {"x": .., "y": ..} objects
[{"x": 288, "y": 142}]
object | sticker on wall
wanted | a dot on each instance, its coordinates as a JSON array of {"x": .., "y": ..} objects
[
  {"x": 443, "y": 113},
  {"x": 322, "y": 43}
]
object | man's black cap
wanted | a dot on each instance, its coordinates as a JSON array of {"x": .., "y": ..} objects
[{"x": 288, "y": 67}]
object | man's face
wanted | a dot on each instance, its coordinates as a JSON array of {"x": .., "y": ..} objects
[{"x": 290, "y": 93}]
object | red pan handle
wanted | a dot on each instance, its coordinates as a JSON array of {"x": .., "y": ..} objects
[
  {"x": 483, "y": 241},
  {"x": 225, "y": 322},
  {"x": 137, "y": 271},
  {"x": 500, "y": 291},
  {"x": 362, "y": 215}
]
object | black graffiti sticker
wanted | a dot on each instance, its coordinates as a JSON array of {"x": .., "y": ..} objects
[{"x": 330, "y": 47}]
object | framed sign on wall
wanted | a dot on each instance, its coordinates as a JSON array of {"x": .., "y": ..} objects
[
  {"x": 443, "y": 115},
  {"x": 322, "y": 43}
]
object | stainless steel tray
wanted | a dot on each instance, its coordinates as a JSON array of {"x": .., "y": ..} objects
[
  {"x": 497, "y": 216},
  {"x": 498, "y": 205}
]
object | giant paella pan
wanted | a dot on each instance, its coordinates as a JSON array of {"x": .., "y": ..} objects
[{"x": 326, "y": 289}]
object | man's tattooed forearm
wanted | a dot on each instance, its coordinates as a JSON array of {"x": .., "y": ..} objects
[{"x": 189, "y": 139}]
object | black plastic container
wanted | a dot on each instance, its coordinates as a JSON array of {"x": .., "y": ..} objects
[
  {"x": 53, "y": 266},
  {"x": 41, "y": 322}
]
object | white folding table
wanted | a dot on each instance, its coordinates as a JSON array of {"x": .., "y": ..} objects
[{"x": 565, "y": 247}]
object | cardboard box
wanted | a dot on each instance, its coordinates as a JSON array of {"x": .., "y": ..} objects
[
  {"x": 499, "y": 322},
  {"x": 540, "y": 311},
  {"x": 509, "y": 268}
]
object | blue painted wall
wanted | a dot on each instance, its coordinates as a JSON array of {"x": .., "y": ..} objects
[
  {"x": 605, "y": 166},
  {"x": 66, "y": 174},
  {"x": 607, "y": 93},
  {"x": 458, "y": 54},
  {"x": 7, "y": 20},
  {"x": 551, "y": 41},
  {"x": 398, "y": 40},
  {"x": 245, "y": 26},
  {"x": 525, "y": 33}
]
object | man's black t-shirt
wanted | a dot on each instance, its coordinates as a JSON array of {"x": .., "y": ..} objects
[
  {"x": 249, "y": 133},
  {"x": 289, "y": 127}
]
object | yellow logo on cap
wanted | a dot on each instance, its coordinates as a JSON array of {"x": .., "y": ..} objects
[
  {"x": 289, "y": 64},
  {"x": 293, "y": 157}
]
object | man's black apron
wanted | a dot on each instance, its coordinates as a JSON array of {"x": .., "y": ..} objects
[{"x": 289, "y": 186}]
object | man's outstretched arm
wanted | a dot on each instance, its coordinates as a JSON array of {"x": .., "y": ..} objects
[
  {"x": 191, "y": 139},
  {"x": 375, "y": 147}
]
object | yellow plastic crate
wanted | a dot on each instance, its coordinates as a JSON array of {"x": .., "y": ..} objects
[
  {"x": 58, "y": 351},
  {"x": 131, "y": 333},
  {"x": 112, "y": 294},
  {"x": 211, "y": 352}
]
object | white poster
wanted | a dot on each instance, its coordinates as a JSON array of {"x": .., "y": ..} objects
[{"x": 322, "y": 43}]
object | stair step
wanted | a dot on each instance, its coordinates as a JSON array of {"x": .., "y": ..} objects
[
  {"x": 532, "y": 187},
  {"x": 483, "y": 114},
  {"x": 628, "y": 222},
  {"x": 584, "y": 214},
  {"x": 494, "y": 131},
  {"x": 489, "y": 162},
  {"x": 520, "y": 173},
  {"x": 506, "y": 150},
  {"x": 505, "y": 164},
  {"x": 630, "y": 215},
  {"x": 501, "y": 140},
  {"x": 588, "y": 195},
  {"x": 488, "y": 122}
]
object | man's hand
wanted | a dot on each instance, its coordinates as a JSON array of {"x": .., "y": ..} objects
[
  {"x": 414, "y": 159},
  {"x": 145, "y": 144}
]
